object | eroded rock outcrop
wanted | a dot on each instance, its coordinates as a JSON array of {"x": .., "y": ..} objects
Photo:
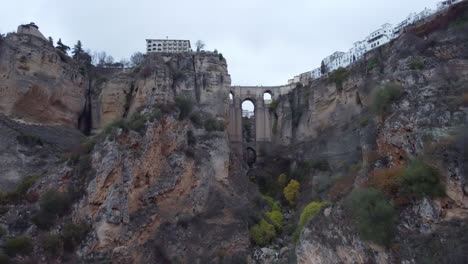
[{"x": 39, "y": 84}]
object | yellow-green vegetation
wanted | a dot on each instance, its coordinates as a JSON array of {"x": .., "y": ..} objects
[
  {"x": 276, "y": 217},
  {"x": 53, "y": 244},
  {"x": 53, "y": 203},
  {"x": 21, "y": 245},
  {"x": 307, "y": 214},
  {"x": 262, "y": 233},
  {"x": 420, "y": 179},
  {"x": 291, "y": 192},
  {"x": 273, "y": 205},
  {"x": 2, "y": 232},
  {"x": 282, "y": 180},
  {"x": 384, "y": 96},
  {"x": 373, "y": 215}
]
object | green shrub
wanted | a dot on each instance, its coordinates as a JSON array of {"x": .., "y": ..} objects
[
  {"x": 155, "y": 114},
  {"x": 321, "y": 165},
  {"x": 43, "y": 220},
  {"x": 282, "y": 180},
  {"x": 372, "y": 64},
  {"x": 291, "y": 192},
  {"x": 212, "y": 124},
  {"x": 184, "y": 105},
  {"x": 54, "y": 202},
  {"x": 276, "y": 217},
  {"x": 299, "y": 85},
  {"x": 374, "y": 216},
  {"x": 262, "y": 233},
  {"x": 137, "y": 122},
  {"x": 416, "y": 65},
  {"x": 53, "y": 244},
  {"x": 384, "y": 96},
  {"x": 2, "y": 232},
  {"x": 73, "y": 235},
  {"x": 420, "y": 179},
  {"x": 21, "y": 190},
  {"x": 338, "y": 76},
  {"x": 307, "y": 214},
  {"x": 273, "y": 205},
  {"x": 273, "y": 106},
  {"x": 29, "y": 140},
  {"x": 196, "y": 119},
  {"x": 364, "y": 122},
  {"x": 21, "y": 245}
]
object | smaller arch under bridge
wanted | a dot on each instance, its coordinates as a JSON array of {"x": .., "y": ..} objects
[{"x": 263, "y": 119}]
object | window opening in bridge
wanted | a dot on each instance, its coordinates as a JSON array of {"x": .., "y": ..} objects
[
  {"x": 267, "y": 98},
  {"x": 231, "y": 97},
  {"x": 248, "y": 121}
]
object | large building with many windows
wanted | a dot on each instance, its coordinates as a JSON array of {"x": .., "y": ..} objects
[{"x": 167, "y": 45}]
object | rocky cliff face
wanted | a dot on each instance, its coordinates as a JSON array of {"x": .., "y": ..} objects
[
  {"x": 338, "y": 122},
  {"x": 39, "y": 84}
]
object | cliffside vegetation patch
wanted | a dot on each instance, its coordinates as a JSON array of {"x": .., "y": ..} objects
[
  {"x": 338, "y": 77},
  {"x": 373, "y": 215},
  {"x": 384, "y": 96}
]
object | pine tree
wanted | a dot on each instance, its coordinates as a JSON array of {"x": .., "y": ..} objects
[
  {"x": 323, "y": 68},
  {"x": 62, "y": 46},
  {"x": 51, "y": 41},
  {"x": 77, "y": 50}
]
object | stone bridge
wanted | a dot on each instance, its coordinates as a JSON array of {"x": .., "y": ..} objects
[{"x": 263, "y": 120}]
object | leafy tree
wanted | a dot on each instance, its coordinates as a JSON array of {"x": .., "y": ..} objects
[
  {"x": 51, "y": 41},
  {"x": 374, "y": 216},
  {"x": 64, "y": 48},
  {"x": 291, "y": 192},
  {"x": 137, "y": 59},
  {"x": 77, "y": 50},
  {"x": 307, "y": 213},
  {"x": 200, "y": 45}
]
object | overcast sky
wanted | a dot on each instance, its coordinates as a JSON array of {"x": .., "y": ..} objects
[{"x": 264, "y": 42}]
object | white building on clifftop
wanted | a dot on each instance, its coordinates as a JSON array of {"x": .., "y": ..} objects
[{"x": 167, "y": 45}]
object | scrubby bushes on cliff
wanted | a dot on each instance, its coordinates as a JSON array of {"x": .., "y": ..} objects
[
  {"x": 53, "y": 244},
  {"x": 420, "y": 179},
  {"x": 384, "y": 96},
  {"x": 73, "y": 234},
  {"x": 21, "y": 245},
  {"x": 20, "y": 191},
  {"x": 416, "y": 65},
  {"x": 53, "y": 204},
  {"x": 338, "y": 76},
  {"x": 373, "y": 215},
  {"x": 185, "y": 107},
  {"x": 213, "y": 124}
]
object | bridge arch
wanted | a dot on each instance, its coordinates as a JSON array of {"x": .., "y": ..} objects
[{"x": 263, "y": 118}]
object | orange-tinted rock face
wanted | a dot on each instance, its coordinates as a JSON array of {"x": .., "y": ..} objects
[{"x": 36, "y": 85}]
